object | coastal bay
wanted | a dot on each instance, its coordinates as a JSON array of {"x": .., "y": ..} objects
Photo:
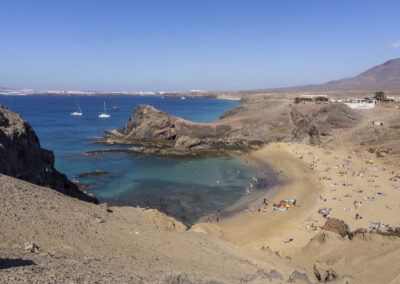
[
  {"x": 200, "y": 142},
  {"x": 340, "y": 187},
  {"x": 187, "y": 189}
]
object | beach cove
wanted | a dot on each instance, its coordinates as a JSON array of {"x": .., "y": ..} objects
[
  {"x": 187, "y": 189},
  {"x": 315, "y": 177}
]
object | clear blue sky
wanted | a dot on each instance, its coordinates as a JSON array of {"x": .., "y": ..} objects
[{"x": 192, "y": 44}]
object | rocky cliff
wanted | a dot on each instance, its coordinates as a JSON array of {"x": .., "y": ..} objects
[
  {"x": 316, "y": 124},
  {"x": 240, "y": 129},
  {"x": 22, "y": 157},
  {"x": 162, "y": 133}
]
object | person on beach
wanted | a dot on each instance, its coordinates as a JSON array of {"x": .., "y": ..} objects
[
  {"x": 247, "y": 192},
  {"x": 209, "y": 220}
]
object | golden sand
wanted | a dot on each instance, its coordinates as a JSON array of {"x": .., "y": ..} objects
[{"x": 318, "y": 178}]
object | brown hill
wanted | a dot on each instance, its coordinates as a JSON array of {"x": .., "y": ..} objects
[{"x": 381, "y": 77}]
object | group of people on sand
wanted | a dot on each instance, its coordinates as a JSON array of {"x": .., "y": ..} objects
[
  {"x": 262, "y": 207},
  {"x": 346, "y": 169},
  {"x": 210, "y": 219}
]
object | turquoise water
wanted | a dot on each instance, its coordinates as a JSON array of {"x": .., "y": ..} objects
[{"x": 184, "y": 188}]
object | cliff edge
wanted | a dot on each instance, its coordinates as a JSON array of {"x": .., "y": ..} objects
[{"x": 21, "y": 156}]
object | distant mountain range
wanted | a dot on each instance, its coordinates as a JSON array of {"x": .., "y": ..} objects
[{"x": 385, "y": 77}]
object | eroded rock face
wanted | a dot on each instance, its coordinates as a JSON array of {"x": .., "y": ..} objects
[
  {"x": 22, "y": 157},
  {"x": 147, "y": 122},
  {"x": 242, "y": 128},
  {"x": 319, "y": 123},
  {"x": 153, "y": 128}
]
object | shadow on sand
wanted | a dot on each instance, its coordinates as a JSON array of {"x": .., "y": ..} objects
[{"x": 17, "y": 262}]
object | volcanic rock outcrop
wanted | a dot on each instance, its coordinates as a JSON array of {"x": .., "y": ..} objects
[
  {"x": 316, "y": 124},
  {"x": 162, "y": 133},
  {"x": 243, "y": 128},
  {"x": 22, "y": 157}
]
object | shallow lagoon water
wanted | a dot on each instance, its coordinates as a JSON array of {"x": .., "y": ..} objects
[{"x": 184, "y": 188}]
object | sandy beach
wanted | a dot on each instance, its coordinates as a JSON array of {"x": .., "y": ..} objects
[{"x": 326, "y": 183}]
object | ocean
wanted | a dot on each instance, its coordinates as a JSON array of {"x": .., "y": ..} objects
[{"x": 187, "y": 189}]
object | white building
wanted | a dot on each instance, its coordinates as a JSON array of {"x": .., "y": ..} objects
[{"x": 360, "y": 103}]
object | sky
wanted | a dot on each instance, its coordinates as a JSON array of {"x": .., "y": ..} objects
[{"x": 176, "y": 45}]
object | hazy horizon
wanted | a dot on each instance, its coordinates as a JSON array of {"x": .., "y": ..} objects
[{"x": 185, "y": 45}]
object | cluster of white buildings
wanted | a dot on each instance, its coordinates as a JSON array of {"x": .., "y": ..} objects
[
  {"x": 354, "y": 103},
  {"x": 360, "y": 103}
]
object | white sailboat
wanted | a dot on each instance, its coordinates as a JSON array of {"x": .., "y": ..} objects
[
  {"x": 77, "y": 113},
  {"x": 104, "y": 115}
]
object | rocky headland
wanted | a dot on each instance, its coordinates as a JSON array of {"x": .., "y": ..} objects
[
  {"x": 245, "y": 128},
  {"x": 21, "y": 156}
]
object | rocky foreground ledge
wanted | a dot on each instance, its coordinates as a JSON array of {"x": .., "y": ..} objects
[
  {"x": 241, "y": 129},
  {"x": 21, "y": 156}
]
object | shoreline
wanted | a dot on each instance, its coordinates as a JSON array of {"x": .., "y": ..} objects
[
  {"x": 273, "y": 185},
  {"x": 229, "y": 210},
  {"x": 255, "y": 230}
]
